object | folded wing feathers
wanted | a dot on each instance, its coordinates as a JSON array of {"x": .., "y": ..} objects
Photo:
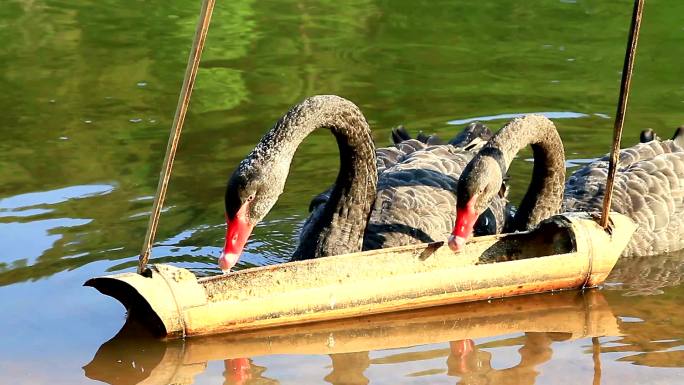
[
  {"x": 649, "y": 187},
  {"x": 416, "y": 196}
]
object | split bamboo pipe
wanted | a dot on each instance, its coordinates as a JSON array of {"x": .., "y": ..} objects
[{"x": 565, "y": 252}]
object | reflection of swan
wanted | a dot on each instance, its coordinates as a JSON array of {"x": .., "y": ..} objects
[
  {"x": 578, "y": 313},
  {"x": 474, "y": 366},
  {"x": 242, "y": 371},
  {"x": 647, "y": 275},
  {"x": 406, "y": 197},
  {"x": 644, "y": 292},
  {"x": 649, "y": 185},
  {"x": 348, "y": 369}
]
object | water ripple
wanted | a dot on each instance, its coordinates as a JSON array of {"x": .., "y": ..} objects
[
  {"x": 548, "y": 114},
  {"x": 52, "y": 197}
]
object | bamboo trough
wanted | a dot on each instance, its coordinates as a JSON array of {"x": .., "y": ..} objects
[
  {"x": 567, "y": 251},
  {"x": 575, "y": 314}
]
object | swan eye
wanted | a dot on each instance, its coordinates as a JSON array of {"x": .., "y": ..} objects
[{"x": 250, "y": 198}]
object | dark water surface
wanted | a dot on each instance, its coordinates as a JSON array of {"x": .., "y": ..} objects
[{"x": 88, "y": 93}]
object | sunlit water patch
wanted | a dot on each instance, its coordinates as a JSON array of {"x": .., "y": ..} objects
[
  {"x": 33, "y": 224},
  {"x": 506, "y": 117},
  {"x": 52, "y": 197}
]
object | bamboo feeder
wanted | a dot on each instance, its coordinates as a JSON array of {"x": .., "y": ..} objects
[
  {"x": 567, "y": 251},
  {"x": 579, "y": 314}
]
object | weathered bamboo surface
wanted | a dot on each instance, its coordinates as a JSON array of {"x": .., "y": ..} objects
[
  {"x": 579, "y": 314},
  {"x": 565, "y": 252}
]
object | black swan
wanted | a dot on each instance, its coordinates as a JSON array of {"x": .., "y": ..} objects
[
  {"x": 648, "y": 135},
  {"x": 649, "y": 185},
  {"x": 389, "y": 197}
]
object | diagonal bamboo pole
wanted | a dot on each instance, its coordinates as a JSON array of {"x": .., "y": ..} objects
[
  {"x": 179, "y": 118},
  {"x": 596, "y": 357},
  {"x": 622, "y": 107}
]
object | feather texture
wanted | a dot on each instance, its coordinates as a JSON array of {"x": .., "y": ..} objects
[
  {"x": 649, "y": 188},
  {"x": 416, "y": 193}
]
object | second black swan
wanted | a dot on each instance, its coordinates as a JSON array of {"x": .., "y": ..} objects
[{"x": 649, "y": 185}]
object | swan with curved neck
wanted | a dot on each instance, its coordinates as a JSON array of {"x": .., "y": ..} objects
[
  {"x": 479, "y": 182},
  {"x": 649, "y": 185},
  {"x": 260, "y": 178}
]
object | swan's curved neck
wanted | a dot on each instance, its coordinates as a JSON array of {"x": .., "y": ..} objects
[
  {"x": 545, "y": 192},
  {"x": 341, "y": 226}
]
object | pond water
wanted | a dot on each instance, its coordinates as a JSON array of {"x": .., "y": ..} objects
[{"x": 89, "y": 92}]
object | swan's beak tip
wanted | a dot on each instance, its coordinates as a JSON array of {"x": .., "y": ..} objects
[
  {"x": 226, "y": 262},
  {"x": 456, "y": 243},
  {"x": 224, "y": 269}
]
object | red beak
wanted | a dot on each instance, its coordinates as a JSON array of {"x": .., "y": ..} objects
[
  {"x": 465, "y": 221},
  {"x": 238, "y": 230}
]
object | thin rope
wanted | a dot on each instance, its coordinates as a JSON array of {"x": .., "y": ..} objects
[
  {"x": 622, "y": 106},
  {"x": 179, "y": 308},
  {"x": 590, "y": 270},
  {"x": 178, "y": 120}
]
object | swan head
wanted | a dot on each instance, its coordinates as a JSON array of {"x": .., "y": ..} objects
[
  {"x": 480, "y": 182},
  {"x": 648, "y": 135},
  {"x": 252, "y": 190}
]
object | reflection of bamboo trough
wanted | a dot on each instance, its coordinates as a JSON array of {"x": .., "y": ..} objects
[
  {"x": 567, "y": 251},
  {"x": 580, "y": 315},
  {"x": 583, "y": 314}
]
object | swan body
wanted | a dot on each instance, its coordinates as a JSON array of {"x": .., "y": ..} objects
[
  {"x": 416, "y": 191},
  {"x": 649, "y": 185},
  {"x": 649, "y": 188}
]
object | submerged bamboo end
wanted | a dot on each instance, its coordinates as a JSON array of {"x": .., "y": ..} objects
[
  {"x": 135, "y": 303},
  {"x": 158, "y": 298}
]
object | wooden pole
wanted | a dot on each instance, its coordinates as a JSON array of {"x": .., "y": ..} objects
[
  {"x": 622, "y": 106},
  {"x": 596, "y": 357},
  {"x": 179, "y": 118}
]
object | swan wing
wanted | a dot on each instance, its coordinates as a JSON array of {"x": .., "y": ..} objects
[
  {"x": 416, "y": 200},
  {"x": 416, "y": 197},
  {"x": 386, "y": 157},
  {"x": 649, "y": 188}
]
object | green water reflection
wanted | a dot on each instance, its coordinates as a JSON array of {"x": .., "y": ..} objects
[{"x": 89, "y": 90}]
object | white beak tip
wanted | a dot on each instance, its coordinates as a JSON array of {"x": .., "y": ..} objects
[
  {"x": 227, "y": 261},
  {"x": 456, "y": 243}
]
